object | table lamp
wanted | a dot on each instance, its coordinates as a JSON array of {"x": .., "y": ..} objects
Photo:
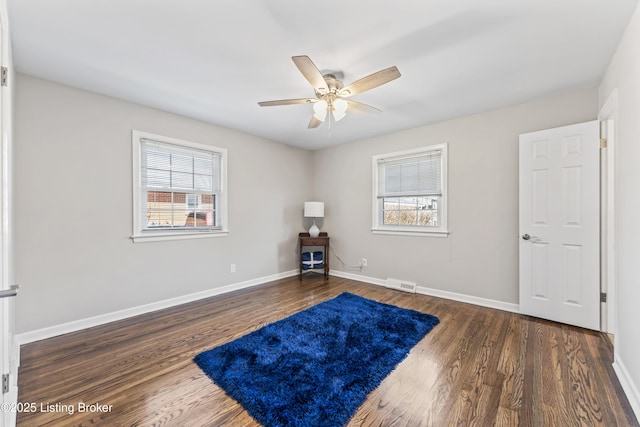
[{"x": 314, "y": 210}]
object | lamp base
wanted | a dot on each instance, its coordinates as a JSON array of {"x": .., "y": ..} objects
[{"x": 314, "y": 231}]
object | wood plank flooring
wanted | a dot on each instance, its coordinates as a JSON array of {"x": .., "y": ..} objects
[{"x": 478, "y": 367}]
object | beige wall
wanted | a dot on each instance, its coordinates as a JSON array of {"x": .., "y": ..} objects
[
  {"x": 623, "y": 74},
  {"x": 480, "y": 256},
  {"x": 73, "y": 248},
  {"x": 73, "y": 199}
]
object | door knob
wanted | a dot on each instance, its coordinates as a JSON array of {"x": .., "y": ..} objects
[
  {"x": 12, "y": 292},
  {"x": 525, "y": 237}
]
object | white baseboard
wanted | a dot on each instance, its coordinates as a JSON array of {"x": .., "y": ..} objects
[
  {"x": 469, "y": 299},
  {"x": 77, "y": 325},
  {"x": 357, "y": 277},
  {"x": 484, "y": 302},
  {"x": 629, "y": 387},
  {"x": 102, "y": 319}
]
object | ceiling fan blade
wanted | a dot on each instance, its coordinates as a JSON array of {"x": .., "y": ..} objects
[
  {"x": 311, "y": 73},
  {"x": 286, "y": 102},
  {"x": 369, "y": 82},
  {"x": 314, "y": 123},
  {"x": 360, "y": 108}
]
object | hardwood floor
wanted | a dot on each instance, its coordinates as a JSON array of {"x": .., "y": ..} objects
[{"x": 478, "y": 367}]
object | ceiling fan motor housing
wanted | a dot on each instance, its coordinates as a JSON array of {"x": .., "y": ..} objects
[{"x": 333, "y": 83}]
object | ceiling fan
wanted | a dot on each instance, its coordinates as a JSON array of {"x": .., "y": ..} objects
[{"x": 331, "y": 94}]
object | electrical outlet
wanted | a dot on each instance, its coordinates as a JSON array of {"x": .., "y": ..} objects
[
  {"x": 363, "y": 262},
  {"x": 232, "y": 269}
]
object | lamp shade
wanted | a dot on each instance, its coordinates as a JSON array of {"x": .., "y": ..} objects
[{"x": 314, "y": 209}]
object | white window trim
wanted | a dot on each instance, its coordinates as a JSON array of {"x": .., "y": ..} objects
[
  {"x": 140, "y": 236},
  {"x": 379, "y": 228}
]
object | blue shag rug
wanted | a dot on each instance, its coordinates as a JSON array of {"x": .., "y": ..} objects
[{"x": 316, "y": 367}]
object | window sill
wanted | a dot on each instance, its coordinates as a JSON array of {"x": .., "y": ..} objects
[
  {"x": 410, "y": 232},
  {"x": 164, "y": 236}
]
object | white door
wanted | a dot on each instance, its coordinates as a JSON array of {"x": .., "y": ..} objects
[
  {"x": 559, "y": 224},
  {"x": 8, "y": 355}
]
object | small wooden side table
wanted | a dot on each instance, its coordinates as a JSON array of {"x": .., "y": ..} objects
[{"x": 321, "y": 240}]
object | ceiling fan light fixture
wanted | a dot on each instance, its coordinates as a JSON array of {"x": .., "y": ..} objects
[
  {"x": 339, "y": 109},
  {"x": 320, "y": 110},
  {"x": 329, "y": 91}
]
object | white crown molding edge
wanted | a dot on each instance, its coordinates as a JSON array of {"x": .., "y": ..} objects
[{"x": 77, "y": 325}]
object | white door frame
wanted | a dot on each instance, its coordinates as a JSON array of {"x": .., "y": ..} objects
[
  {"x": 609, "y": 114},
  {"x": 10, "y": 355}
]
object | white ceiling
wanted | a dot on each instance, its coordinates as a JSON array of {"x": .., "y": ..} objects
[{"x": 213, "y": 60}]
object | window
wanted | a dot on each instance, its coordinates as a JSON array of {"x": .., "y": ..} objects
[
  {"x": 410, "y": 192},
  {"x": 179, "y": 189}
]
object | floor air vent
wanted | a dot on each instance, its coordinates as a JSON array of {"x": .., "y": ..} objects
[{"x": 401, "y": 285}]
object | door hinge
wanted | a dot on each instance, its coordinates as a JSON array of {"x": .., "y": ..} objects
[
  {"x": 603, "y": 297},
  {"x": 603, "y": 142},
  {"x": 4, "y": 75},
  {"x": 5, "y": 383}
]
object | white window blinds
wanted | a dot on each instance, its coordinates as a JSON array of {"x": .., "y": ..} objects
[
  {"x": 419, "y": 175},
  {"x": 167, "y": 167}
]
